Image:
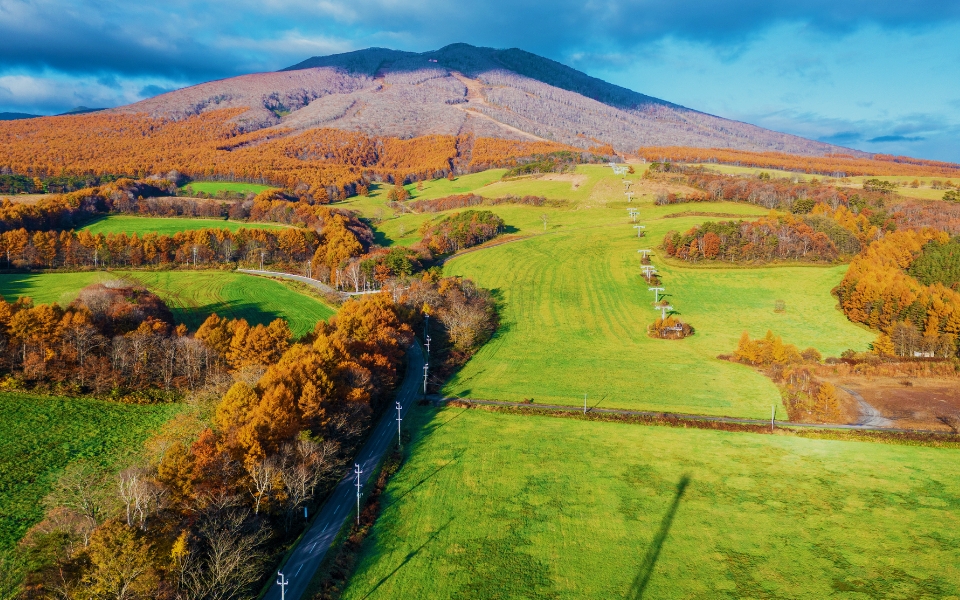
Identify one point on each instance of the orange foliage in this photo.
(327, 164)
(489, 152)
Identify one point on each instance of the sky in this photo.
(877, 75)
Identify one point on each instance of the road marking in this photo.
(298, 570)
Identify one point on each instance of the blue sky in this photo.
(877, 75)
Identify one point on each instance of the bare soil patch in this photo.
(910, 403)
(25, 198)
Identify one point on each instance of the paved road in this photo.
(311, 282)
(683, 417)
(868, 414)
(342, 504)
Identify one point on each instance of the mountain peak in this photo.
(463, 89)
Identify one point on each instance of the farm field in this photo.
(215, 187)
(504, 506)
(191, 295)
(165, 225)
(40, 435)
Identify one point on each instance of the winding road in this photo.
(316, 541)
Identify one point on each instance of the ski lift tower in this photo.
(633, 212)
(656, 294)
(639, 229)
(663, 311)
(648, 271)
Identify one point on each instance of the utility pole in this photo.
(283, 582)
(261, 260)
(773, 416)
(357, 471)
(428, 345)
(398, 424)
(426, 368)
(194, 257)
(309, 272)
(584, 404)
(656, 294)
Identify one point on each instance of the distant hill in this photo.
(15, 116)
(80, 110)
(462, 89)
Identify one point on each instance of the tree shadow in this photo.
(410, 556)
(639, 585)
(393, 501)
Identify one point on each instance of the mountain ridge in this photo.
(466, 90)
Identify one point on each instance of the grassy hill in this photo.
(129, 225)
(191, 295)
(500, 506)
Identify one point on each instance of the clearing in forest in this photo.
(130, 225)
(191, 295)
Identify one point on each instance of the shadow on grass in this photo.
(393, 501)
(410, 556)
(639, 585)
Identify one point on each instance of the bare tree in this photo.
(228, 557)
(261, 480)
(80, 490)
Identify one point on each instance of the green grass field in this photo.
(191, 295)
(165, 225)
(575, 308)
(502, 506)
(40, 435)
(215, 187)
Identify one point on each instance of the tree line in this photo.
(834, 165)
(913, 318)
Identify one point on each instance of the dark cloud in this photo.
(202, 40)
(897, 138)
(150, 91)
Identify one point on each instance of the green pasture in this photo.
(165, 225)
(191, 295)
(503, 506)
(575, 308)
(215, 187)
(40, 435)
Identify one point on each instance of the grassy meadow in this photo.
(215, 187)
(503, 506)
(130, 224)
(574, 307)
(40, 435)
(191, 295)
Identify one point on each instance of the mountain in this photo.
(463, 89)
(15, 116)
(80, 110)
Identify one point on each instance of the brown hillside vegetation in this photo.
(323, 163)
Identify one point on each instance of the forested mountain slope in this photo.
(462, 89)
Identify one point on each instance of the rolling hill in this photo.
(462, 89)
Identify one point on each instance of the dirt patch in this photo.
(575, 179)
(25, 198)
(694, 213)
(912, 403)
